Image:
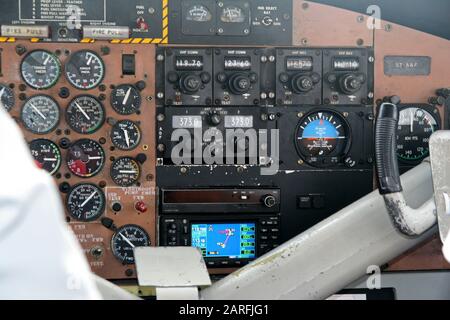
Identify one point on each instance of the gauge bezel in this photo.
(112, 98)
(98, 170)
(10, 90)
(116, 145)
(58, 64)
(340, 156)
(56, 123)
(100, 125)
(102, 208)
(114, 236)
(57, 148)
(127, 184)
(100, 79)
(434, 112)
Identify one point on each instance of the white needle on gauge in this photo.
(82, 111)
(94, 158)
(127, 138)
(89, 60)
(50, 159)
(127, 95)
(126, 240)
(37, 111)
(127, 171)
(46, 60)
(88, 199)
(412, 122)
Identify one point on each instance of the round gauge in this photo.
(125, 135)
(46, 155)
(125, 99)
(40, 114)
(232, 14)
(322, 137)
(7, 99)
(125, 171)
(415, 127)
(125, 239)
(85, 114)
(198, 13)
(85, 202)
(40, 69)
(85, 70)
(85, 158)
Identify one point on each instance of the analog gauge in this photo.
(7, 99)
(85, 114)
(125, 135)
(125, 239)
(322, 137)
(40, 114)
(40, 69)
(85, 202)
(198, 13)
(126, 99)
(85, 158)
(125, 171)
(415, 127)
(46, 155)
(85, 70)
(232, 14)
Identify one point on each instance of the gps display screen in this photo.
(230, 240)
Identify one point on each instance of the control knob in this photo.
(351, 83)
(269, 200)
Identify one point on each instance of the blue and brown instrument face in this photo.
(322, 134)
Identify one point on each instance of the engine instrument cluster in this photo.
(86, 124)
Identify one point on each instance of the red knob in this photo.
(140, 206)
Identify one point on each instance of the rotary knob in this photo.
(351, 83)
(302, 84)
(239, 83)
(214, 119)
(269, 201)
(190, 83)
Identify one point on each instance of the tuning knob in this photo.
(302, 84)
(351, 83)
(269, 200)
(239, 83)
(190, 83)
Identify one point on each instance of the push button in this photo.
(304, 202)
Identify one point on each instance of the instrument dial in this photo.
(125, 135)
(232, 14)
(125, 171)
(7, 99)
(85, 158)
(46, 155)
(85, 202)
(85, 70)
(85, 114)
(40, 114)
(125, 239)
(198, 13)
(40, 69)
(126, 99)
(322, 137)
(415, 127)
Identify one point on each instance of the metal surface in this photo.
(440, 167)
(171, 267)
(327, 257)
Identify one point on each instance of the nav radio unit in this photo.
(231, 227)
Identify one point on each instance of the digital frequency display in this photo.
(233, 241)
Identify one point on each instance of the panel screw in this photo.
(360, 19)
(160, 57)
(160, 95)
(388, 27)
(371, 59)
(304, 41)
(300, 162)
(183, 170)
(370, 95)
(305, 5)
(300, 114)
(345, 114)
(151, 10)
